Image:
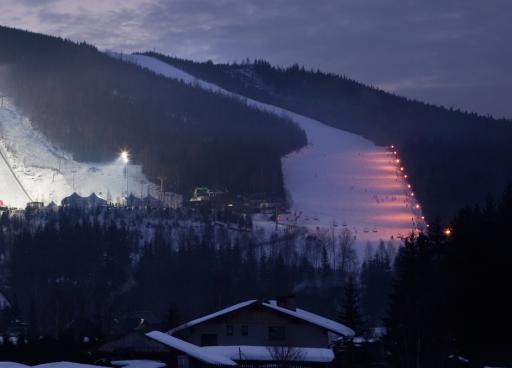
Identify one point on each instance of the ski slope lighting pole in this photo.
(125, 157)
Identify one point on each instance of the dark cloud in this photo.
(451, 52)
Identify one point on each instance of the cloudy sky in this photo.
(451, 52)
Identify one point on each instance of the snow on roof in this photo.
(66, 365)
(12, 365)
(192, 350)
(212, 315)
(265, 353)
(315, 319)
(49, 365)
(138, 363)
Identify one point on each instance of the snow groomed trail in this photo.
(12, 193)
(340, 180)
(32, 168)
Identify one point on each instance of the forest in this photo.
(103, 265)
(453, 157)
(438, 295)
(93, 105)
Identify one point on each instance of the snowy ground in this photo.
(340, 180)
(49, 174)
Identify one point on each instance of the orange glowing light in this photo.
(397, 160)
(447, 232)
(417, 206)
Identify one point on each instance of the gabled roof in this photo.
(74, 196)
(313, 318)
(301, 314)
(220, 313)
(191, 350)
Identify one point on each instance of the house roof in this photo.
(138, 363)
(301, 314)
(313, 318)
(227, 355)
(191, 350)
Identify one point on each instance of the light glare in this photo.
(125, 156)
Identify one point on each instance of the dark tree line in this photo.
(452, 156)
(450, 294)
(445, 295)
(93, 106)
(77, 273)
(68, 271)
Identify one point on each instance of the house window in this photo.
(245, 330)
(276, 333)
(183, 361)
(209, 340)
(229, 330)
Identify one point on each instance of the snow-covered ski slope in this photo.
(49, 174)
(339, 180)
(11, 192)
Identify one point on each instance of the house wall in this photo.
(258, 320)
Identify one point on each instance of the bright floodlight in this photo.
(125, 156)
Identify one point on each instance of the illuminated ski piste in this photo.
(49, 174)
(338, 179)
(11, 194)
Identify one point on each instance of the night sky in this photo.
(452, 52)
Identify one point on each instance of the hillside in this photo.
(452, 158)
(339, 182)
(92, 105)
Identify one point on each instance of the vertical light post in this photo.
(125, 157)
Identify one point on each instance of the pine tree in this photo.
(350, 313)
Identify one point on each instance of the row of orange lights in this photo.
(446, 231)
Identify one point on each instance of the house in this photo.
(74, 200)
(264, 331)
(161, 346)
(93, 201)
(77, 201)
(251, 332)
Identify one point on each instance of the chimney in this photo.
(287, 301)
